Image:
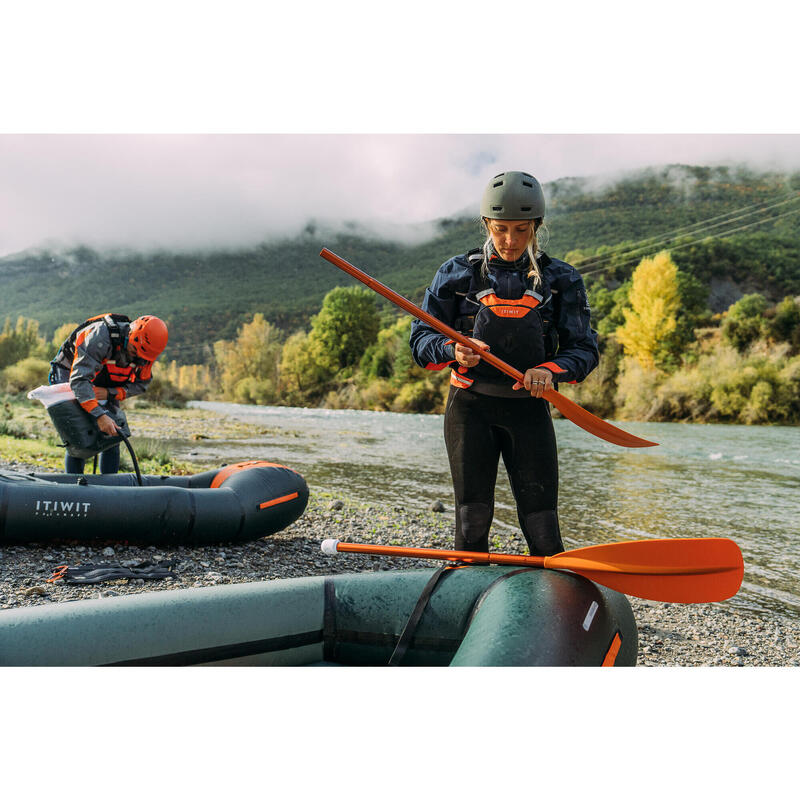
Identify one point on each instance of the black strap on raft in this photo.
(133, 456)
(410, 629)
(99, 573)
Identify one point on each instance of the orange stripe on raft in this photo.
(611, 655)
(226, 472)
(284, 499)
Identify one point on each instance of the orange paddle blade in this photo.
(572, 411)
(594, 425)
(704, 570)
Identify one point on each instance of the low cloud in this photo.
(200, 191)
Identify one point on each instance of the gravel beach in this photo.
(669, 634)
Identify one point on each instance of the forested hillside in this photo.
(731, 228)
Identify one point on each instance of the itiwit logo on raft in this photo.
(62, 508)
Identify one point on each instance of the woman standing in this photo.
(532, 312)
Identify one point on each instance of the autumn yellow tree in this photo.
(651, 320)
(248, 366)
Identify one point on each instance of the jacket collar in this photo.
(521, 263)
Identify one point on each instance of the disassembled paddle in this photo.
(702, 570)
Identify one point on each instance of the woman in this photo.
(531, 311)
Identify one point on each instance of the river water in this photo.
(703, 480)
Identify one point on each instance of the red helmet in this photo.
(149, 337)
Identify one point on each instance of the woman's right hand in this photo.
(468, 356)
(107, 425)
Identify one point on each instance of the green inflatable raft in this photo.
(462, 616)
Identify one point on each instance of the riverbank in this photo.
(669, 634)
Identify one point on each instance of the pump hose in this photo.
(133, 456)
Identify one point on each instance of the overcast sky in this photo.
(206, 190)
(404, 115)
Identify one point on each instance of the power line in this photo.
(698, 241)
(644, 244)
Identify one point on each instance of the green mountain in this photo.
(728, 225)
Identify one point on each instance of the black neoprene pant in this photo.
(478, 429)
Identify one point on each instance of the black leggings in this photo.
(478, 429)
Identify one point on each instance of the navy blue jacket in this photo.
(570, 341)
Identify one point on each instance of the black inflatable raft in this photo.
(476, 616)
(237, 503)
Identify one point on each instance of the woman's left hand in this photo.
(537, 381)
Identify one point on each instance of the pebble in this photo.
(336, 505)
(437, 506)
(670, 634)
(108, 551)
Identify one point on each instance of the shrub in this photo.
(24, 375)
(744, 322)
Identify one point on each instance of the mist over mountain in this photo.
(731, 226)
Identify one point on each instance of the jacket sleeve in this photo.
(92, 348)
(577, 353)
(429, 348)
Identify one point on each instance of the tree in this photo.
(62, 332)
(745, 322)
(785, 325)
(607, 307)
(21, 341)
(651, 320)
(346, 325)
(303, 378)
(248, 366)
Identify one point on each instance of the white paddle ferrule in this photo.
(329, 547)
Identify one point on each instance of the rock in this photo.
(106, 593)
(737, 651)
(437, 506)
(336, 505)
(34, 590)
(108, 551)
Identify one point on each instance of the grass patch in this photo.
(40, 453)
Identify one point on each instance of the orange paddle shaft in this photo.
(571, 410)
(701, 570)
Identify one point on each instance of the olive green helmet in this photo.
(513, 195)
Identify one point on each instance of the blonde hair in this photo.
(532, 249)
